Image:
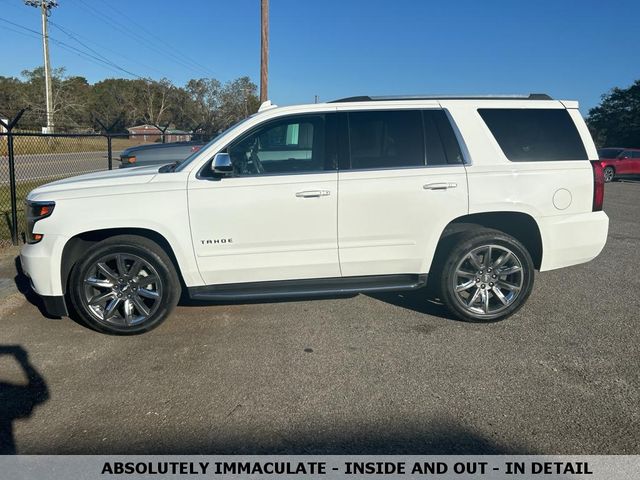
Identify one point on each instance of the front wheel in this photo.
(127, 285)
(487, 276)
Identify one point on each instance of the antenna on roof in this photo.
(266, 106)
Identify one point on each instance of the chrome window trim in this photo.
(409, 167)
(463, 149)
(337, 170)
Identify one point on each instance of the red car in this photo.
(619, 161)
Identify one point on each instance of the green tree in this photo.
(202, 104)
(204, 113)
(616, 121)
(69, 98)
(158, 99)
(115, 101)
(238, 100)
(10, 96)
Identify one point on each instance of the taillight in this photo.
(195, 148)
(598, 184)
(131, 159)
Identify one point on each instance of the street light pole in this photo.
(45, 6)
(264, 49)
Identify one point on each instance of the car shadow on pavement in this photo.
(421, 301)
(17, 401)
(24, 287)
(385, 438)
(185, 301)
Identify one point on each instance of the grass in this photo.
(25, 145)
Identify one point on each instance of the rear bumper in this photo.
(572, 239)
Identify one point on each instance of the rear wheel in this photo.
(487, 276)
(609, 174)
(127, 285)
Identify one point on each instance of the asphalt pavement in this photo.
(365, 374)
(50, 166)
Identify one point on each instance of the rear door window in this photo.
(386, 139)
(534, 135)
(440, 140)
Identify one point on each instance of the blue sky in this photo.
(331, 48)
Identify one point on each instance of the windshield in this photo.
(183, 163)
(609, 152)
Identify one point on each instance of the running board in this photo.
(308, 287)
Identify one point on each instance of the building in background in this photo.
(151, 133)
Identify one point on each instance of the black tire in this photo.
(491, 280)
(609, 174)
(132, 251)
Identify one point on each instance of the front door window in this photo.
(292, 145)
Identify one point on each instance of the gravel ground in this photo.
(366, 374)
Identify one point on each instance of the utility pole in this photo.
(264, 49)
(45, 9)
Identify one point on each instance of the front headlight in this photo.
(37, 211)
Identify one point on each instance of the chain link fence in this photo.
(28, 160)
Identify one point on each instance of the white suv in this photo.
(358, 195)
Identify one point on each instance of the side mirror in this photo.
(221, 164)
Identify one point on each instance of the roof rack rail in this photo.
(366, 98)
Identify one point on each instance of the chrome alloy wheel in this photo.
(488, 279)
(608, 174)
(122, 289)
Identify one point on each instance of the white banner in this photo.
(76, 467)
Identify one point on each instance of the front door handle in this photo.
(440, 186)
(313, 193)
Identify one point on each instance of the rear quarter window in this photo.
(534, 135)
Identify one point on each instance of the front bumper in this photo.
(40, 262)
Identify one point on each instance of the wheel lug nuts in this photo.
(480, 272)
(483, 285)
(491, 284)
(477, 280)
(494, 276)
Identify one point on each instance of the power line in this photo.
(27, 34)
(158, 38)
(75, 50)
(105, 59)
(115, 24)
(77, 37)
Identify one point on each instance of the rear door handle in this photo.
(313, 193)
(440, 186)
